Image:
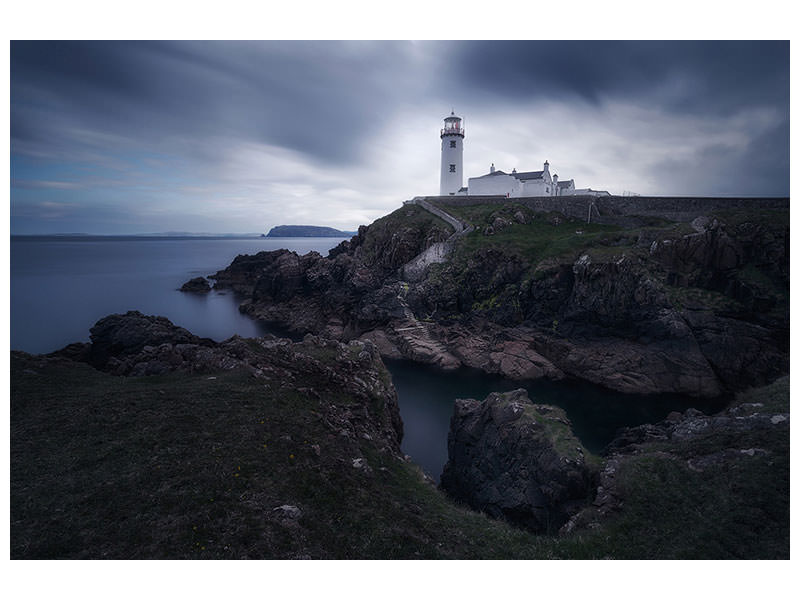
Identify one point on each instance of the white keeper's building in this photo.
(495, 182)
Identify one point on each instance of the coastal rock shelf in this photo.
(699, 308)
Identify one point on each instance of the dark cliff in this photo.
(698, 309)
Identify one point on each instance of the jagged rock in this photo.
(500, 223)
(128, 334)
(517, 460)
(287, 511)
(702, 224)
(386, 347)
(198, 285)
(698, 314)
(742, 354)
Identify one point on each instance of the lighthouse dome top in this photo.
(452, 126)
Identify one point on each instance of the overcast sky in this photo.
(121, 137)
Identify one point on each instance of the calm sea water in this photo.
(61, 286)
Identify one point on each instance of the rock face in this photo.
(117, 337)
(517, 460)
(198, 285)
(644, 310)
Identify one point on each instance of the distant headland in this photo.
(283, 231)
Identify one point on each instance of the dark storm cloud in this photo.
(759, 169)
(707, 80)
(230, 132)
(696, 76)
(316, 98)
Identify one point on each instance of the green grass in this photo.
(186, 466)
(547, 239)
(739, 510)
(540, 239)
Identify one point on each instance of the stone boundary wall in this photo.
(619, 209)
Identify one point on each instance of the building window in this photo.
(452, 143)
(547, 190)
(452, 168)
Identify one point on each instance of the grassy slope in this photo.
(549, 239)
(535, 241)
(740, 510)
(183, 466)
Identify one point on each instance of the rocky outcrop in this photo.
(198, 285)
(134, 344)
(117, 337)
(743, 354)
(692, 442)
(516, 460)
(643, 310)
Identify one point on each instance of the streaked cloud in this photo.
(241, 136)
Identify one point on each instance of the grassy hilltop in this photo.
(542, 241)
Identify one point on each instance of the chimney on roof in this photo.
(547, 167)
(491, 169)
(513, 171)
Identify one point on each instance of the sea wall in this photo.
(621, 210)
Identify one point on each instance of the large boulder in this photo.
(517, 460)
(198, 285)
(128, 334)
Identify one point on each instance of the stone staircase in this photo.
(415, 341)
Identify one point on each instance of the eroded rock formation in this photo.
(641, 310)
(517, 460)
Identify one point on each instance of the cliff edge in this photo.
(697, 308)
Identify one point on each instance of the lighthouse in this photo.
(452, 175)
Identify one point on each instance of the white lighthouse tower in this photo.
(452, 177)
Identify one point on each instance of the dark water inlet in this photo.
(61, 286)
(427, 395)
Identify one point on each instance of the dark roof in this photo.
(463, 189)
(529, 175)
(492, 174)
(565, 183)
